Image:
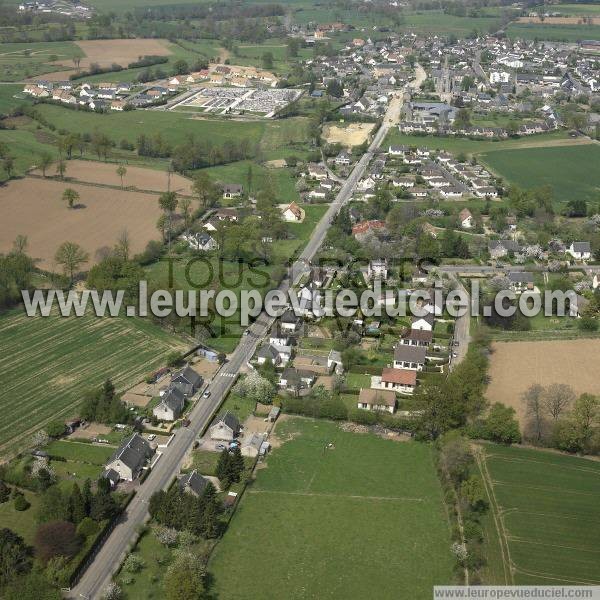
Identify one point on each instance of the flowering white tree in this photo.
(255, 387)
(39, 439)
(460, 551)
(166, 535)
(112, 592)
(41, 462)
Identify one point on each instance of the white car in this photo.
(206, 394)
(151, 437)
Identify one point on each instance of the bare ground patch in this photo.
(515, 366)
(560, 20)
(353, 134)
(34, 207)
(107, 52)
(135, 178)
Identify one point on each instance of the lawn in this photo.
(80, 452)
(25, 148)
(571, 171)
(547, 505)
(23, 523)
(337, 523)
(48, 363)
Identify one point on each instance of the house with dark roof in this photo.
(417, 337)
(520, 281)
(500, 248)
(232, 190)
(130, 457)
(409, 357)
(226, 428)
(193, 483)
(187, 381)
(170, 406)
(580, 250)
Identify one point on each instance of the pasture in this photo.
(547, 515)
(515, 366)
(313, 513)
(34, 207)
(129, 125)
(47, 363)
(571, 172)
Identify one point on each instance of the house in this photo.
(170, 406)
(335, 362)
(294, 380)
(580, 250)
(118, 105)
(193, 483)
(130, 457)
(226, 428)
(251, 446)
(289, 321)
(402, 381)
(226, 214)
(500, 248)
(409, 357)
(398, 150)
(417, 337)
(425, 322)
(379, 400)
(187, 381)
(232, 190)
(360, 229)
(378, 269)
(278, 355)
(343, 159)
(465, 218)
(202, 241)
(318, 193)
(317, 172)
(292, 213)
(577, 305)
(279, 337)
(520, 281)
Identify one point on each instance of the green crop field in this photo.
(48, 363)
(362, 519)
(437, 22)
(571, 171)
(571, 10)
(22, 60)
(548, 515)
(543, 31)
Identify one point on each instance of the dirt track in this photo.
(34, 207)
(515, 366)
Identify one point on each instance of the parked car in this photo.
(151, 437)
(220, 446)
(206, 394)
(186, 422)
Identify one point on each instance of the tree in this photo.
(55, 428)
(184, 579)
(335, 89)
(121, 172)
(473, 492)
(267, 60)
(44, 162)
(77, 509)
(61, 168)
(56, 538)
(557, 398)
(500, 425)
(71, 257)
(205, 189)
(168, 203)
(533, 399)
(32, 586)
(70, 196)
(15, 556)
(8, 163)
(185, 206)
(463, 119)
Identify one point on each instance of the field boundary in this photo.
(480, 457)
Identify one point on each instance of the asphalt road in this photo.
(111, 554)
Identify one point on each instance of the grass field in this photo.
(437, 22)
(48, 363)
(23, 523)
(547, 514)
(337, 523)
(174, 127)
(568, 33)
(25, 148)
(80, 451)
(571, 172)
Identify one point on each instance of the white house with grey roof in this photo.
(170, 406)
(226, 428)
(580, 250)
(130, 457)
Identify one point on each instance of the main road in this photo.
(111, 554)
